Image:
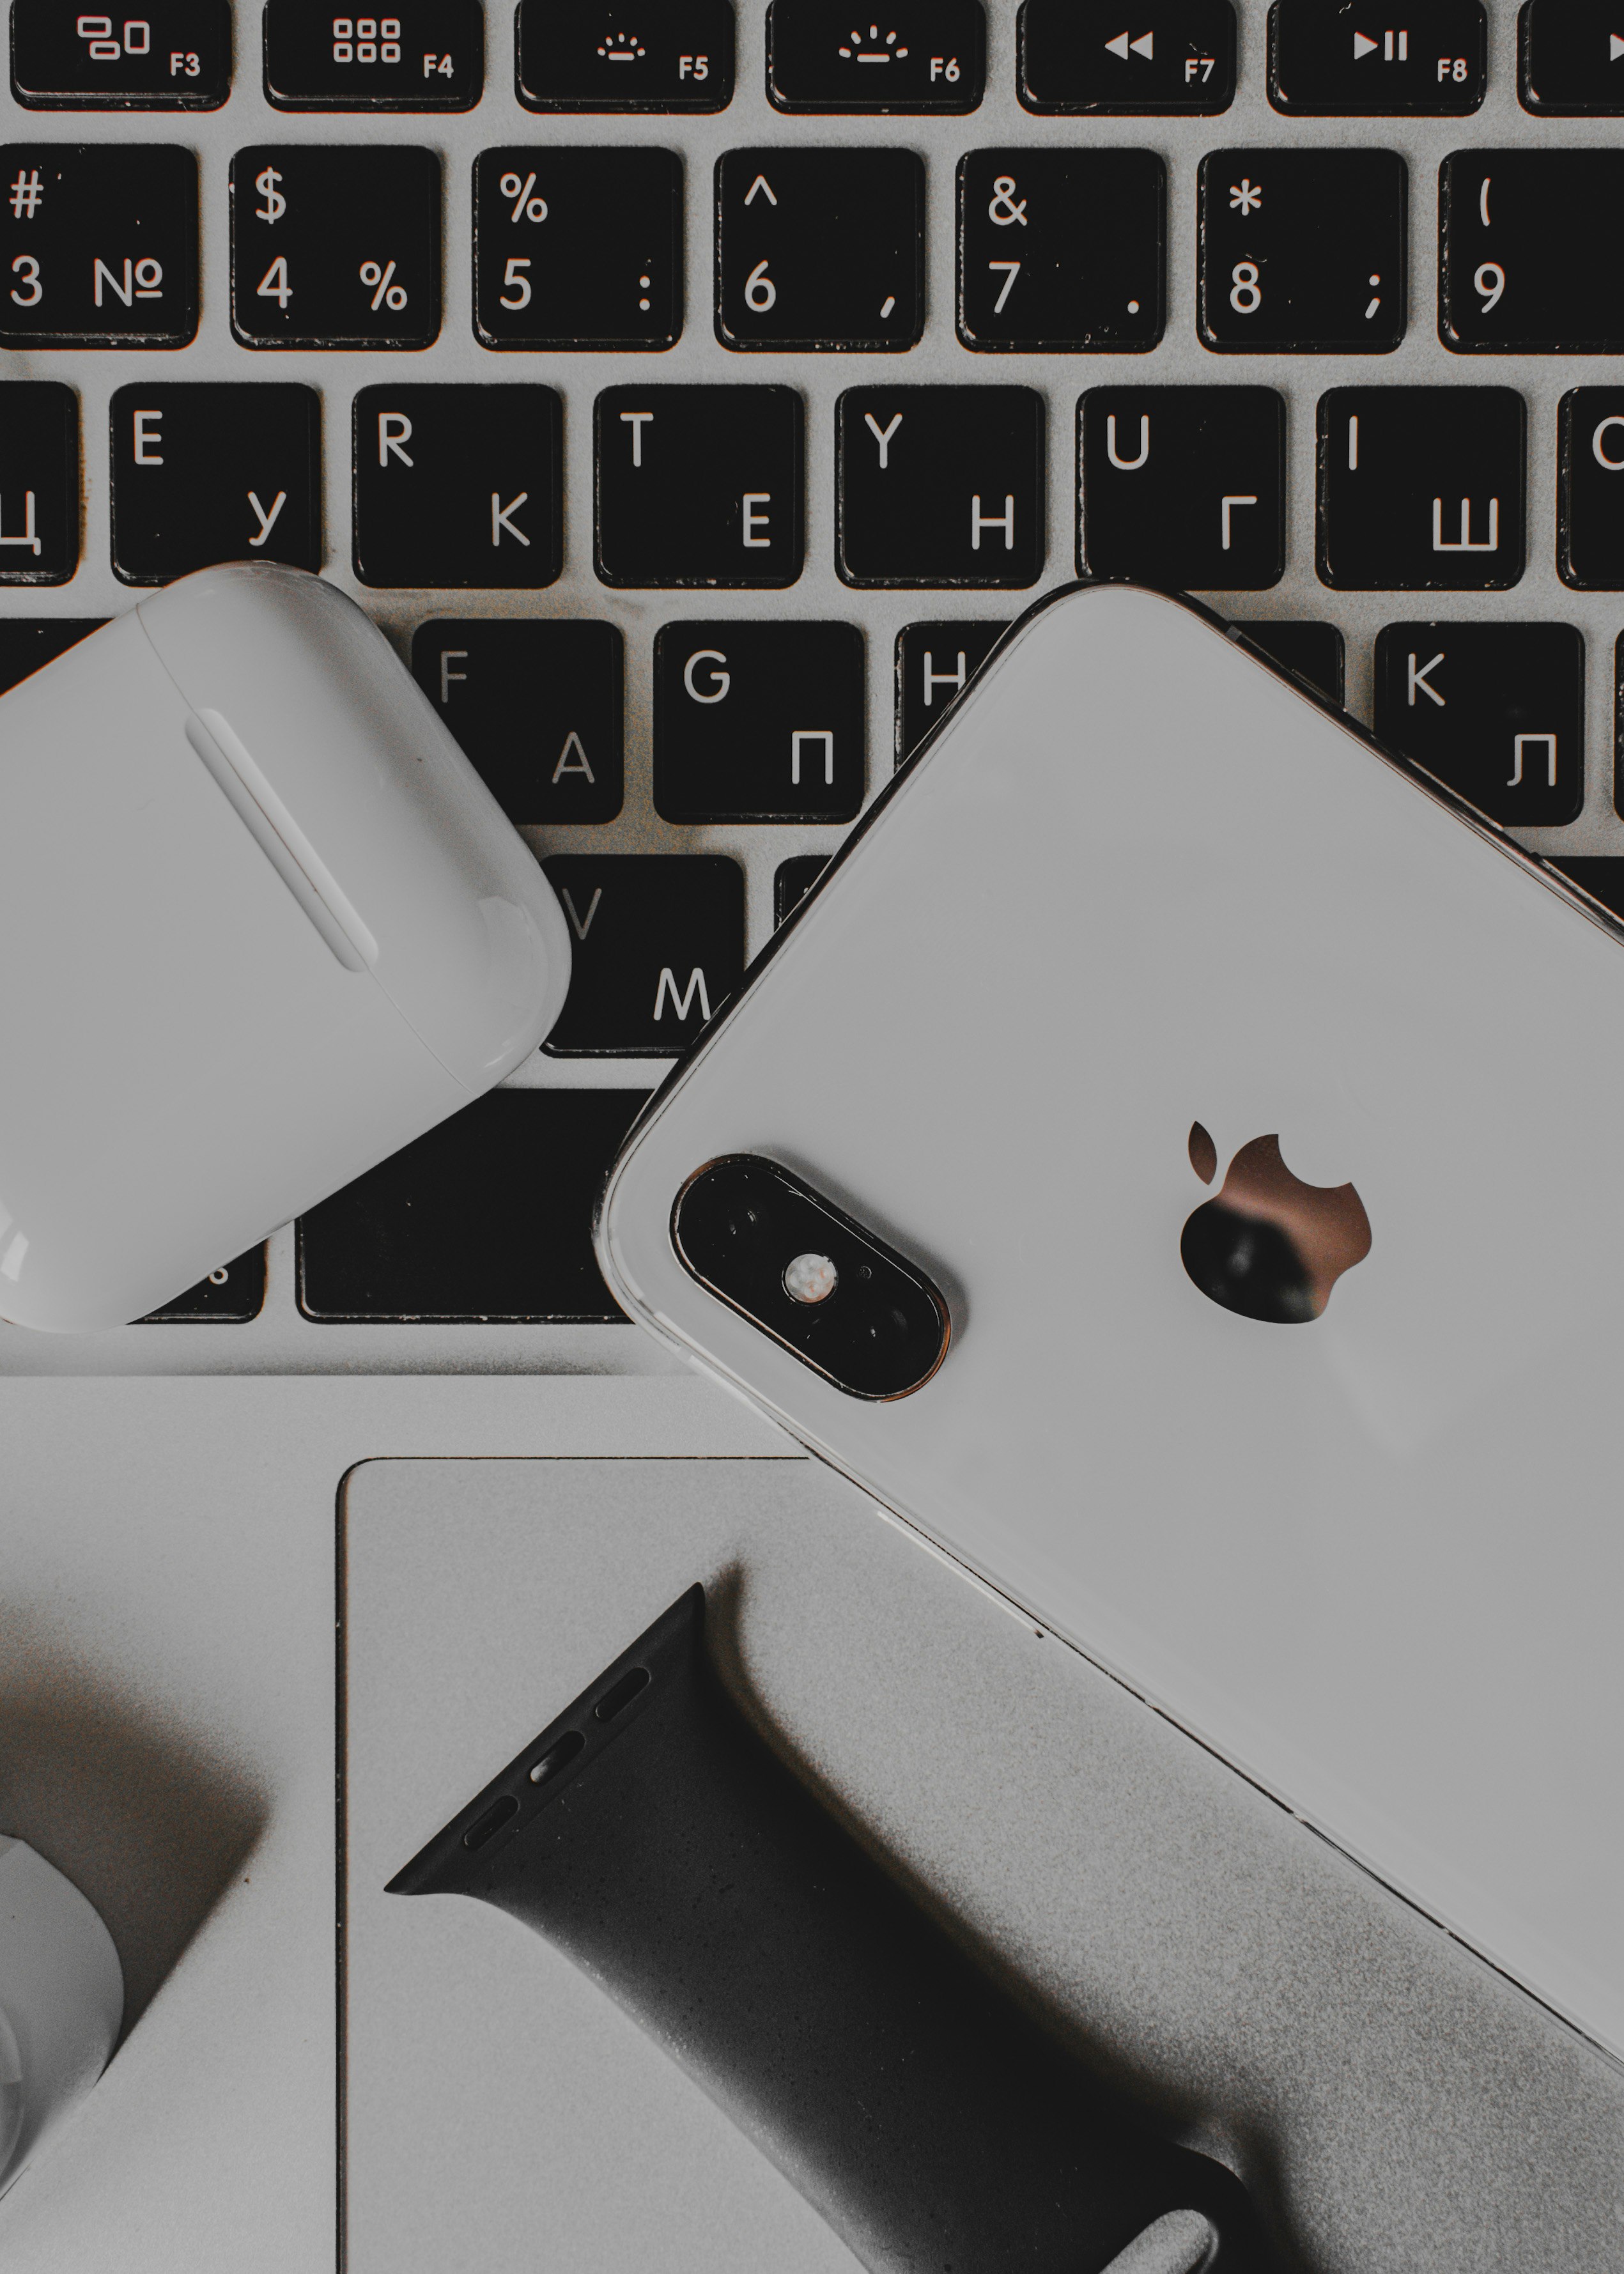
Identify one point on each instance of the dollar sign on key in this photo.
(275, 205)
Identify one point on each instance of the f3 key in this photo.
(820, 249)
(1522, 262)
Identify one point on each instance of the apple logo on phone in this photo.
(1269, 1245)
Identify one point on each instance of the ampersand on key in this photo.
(1004, 210)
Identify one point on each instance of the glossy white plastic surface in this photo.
(261, 925)
(1375, 1560)
(61, 1999)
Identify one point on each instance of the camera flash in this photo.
(810, 1278)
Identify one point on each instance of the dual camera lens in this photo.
(805, 1273)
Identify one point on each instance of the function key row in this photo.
(1299, 251)
(927, 56)
(461, 485)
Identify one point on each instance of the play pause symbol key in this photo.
(1345, 62)
(458, 486)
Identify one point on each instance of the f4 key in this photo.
(1518, 233)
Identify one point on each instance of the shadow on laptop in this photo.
(148, 1821)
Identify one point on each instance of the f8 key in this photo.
(1521, 247)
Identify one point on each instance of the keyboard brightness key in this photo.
(1495, 710)
(677, 56)
(922, 56)
(1422, 488)
(940, 486)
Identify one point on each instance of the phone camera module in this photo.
(810, 1278)
(844, 1303)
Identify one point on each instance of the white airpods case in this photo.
(261, 924)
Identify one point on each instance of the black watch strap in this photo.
(932, 2119)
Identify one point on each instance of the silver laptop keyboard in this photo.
(693, 392)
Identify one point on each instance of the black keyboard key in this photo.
(1315, 651)
(657, 943)
(939, 485)
(335, 247)
(1078, 56)
(792, 880)
(459, 486)
(1350, 61)
(1568, 54)
(820, 249)
(207, 470)
(428, 55)
(1061, 251)
(39, 482)
(174, 56)
(1518, 233)
(935, 662)
(1590, 489)
(631, 55)
(488, 1216)
(537, 705)
(1303, 250)
(1183, 486)
(1421, 488)
(924, 56)
(758, 722)
(1600, 875)
(1496, 710)
(232, 1294)
(28, 642)
(98, 244)
(577, 248)
(699, 486)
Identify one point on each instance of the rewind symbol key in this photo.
(1071, 53)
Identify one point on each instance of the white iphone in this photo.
(1173, 1161)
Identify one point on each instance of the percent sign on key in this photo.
(525, 207)
(387, 293)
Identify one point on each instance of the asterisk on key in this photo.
(1244, 194)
